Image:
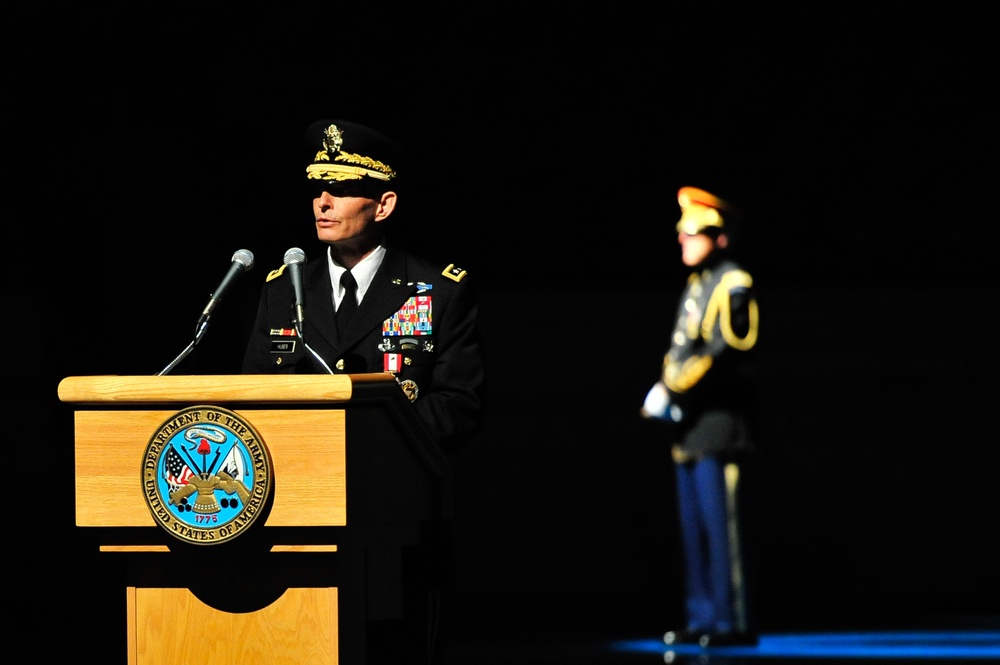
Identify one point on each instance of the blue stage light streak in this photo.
(911, 645)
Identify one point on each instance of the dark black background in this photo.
(548, 151)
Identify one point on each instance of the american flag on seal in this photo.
(175, 470)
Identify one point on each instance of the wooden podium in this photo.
(356, 481)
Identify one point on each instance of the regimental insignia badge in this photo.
(410, 389)
(207, 475)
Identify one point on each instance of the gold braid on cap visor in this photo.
(366, 166)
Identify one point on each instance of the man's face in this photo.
(695, 248)
(345, 218)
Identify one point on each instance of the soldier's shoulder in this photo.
(429, 270)
(454, 272)
(276, 273)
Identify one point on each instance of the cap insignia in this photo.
(363, 166)
(333, 139)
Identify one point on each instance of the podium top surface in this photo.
(111, 389)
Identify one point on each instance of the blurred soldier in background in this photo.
(705, 394)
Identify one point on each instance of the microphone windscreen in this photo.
(244, 257)
(295, 255)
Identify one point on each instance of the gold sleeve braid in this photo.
(680, 378)
(718, 306)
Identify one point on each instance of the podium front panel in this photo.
(307, 449)
(171, 626)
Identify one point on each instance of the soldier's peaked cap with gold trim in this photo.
(701, 210)
(342, 151)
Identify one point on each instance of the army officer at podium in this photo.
(371, 306)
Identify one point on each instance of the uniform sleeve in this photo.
(452, 406)
(728, 327)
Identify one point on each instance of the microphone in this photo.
(242, 261)
(294, 258)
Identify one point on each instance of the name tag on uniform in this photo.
(282, 346)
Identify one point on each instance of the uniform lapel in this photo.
(385, 295)
(320, 330)
(388, 291)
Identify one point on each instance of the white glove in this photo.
(657, 404)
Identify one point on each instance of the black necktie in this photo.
(350, 302)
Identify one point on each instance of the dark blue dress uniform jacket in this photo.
(708, 369)
(438, 363)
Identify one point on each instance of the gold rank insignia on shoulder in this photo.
(454, 273)
(274, 274)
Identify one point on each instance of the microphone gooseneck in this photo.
(242, 261)
(294, 258)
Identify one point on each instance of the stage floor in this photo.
(550, 633)
(861, 648)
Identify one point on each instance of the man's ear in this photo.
(722, 241)
(385, 206)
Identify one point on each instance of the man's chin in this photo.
(329, 236)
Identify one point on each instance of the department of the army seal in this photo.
(206, 475)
